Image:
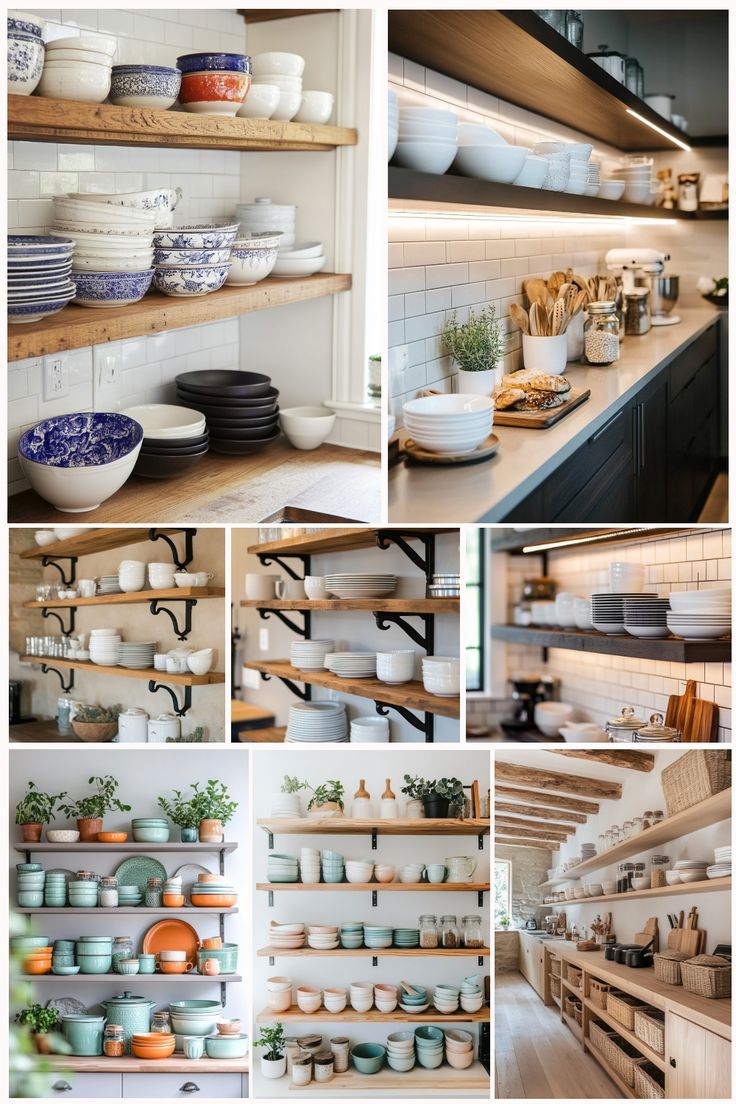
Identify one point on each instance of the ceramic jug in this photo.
(362, 808)
(389, 804)
(210, 966)
(460, 868)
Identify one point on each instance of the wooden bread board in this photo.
(421, 455)
(540, 419)
(677, 705)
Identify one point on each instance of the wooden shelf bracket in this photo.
(182, 562)
(66, 687)
(423, 724)
(303, 630)
(46, 613)
(52, 561)
(157, 607)
(186, 704)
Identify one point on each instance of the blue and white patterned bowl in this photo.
(25, 63)
(207, 63)
(203, 235)
(111, 289)
(154, 86)
(36, 309)
(253, 259)
(177, 257)
(190, 279)
(24, 246)
(24, 23)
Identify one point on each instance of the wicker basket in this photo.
(649, 1027)
(694, 777)
(579, 1012)
(575, 976)
(599, 991)
(667, 967)
(600, 1036)
(554, 966)
(648, 1082)
(622, 1007)
(707, 975)
(555, 986)
(624, 1058)
(570, 1007)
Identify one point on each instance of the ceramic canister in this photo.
(133, 726)
(161, 727)
(84, 1034)
(132, 1013)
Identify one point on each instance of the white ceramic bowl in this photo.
(163, 421)
(501, 164)
(276, 61)
(299, 266)
(428, 114)
(105, 44)
(420, 131)
(434, 406)
(250, 262)
(287, 107)
(43, 537)
(78, 490)
(548, 716)
(316, 107)
(474, 134)
(428, 157)
(61, 835)
(307, 427)
(25, 65)
(260, 102)
(199, 664)
(86, 82)
(637, 193)
(533, 172)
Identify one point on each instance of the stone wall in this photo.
(529, 867)
(506, 958)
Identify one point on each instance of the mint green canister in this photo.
(131, 1013)
(84, 1034)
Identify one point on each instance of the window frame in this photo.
(479, 591)
(508, 863)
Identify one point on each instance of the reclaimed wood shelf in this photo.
(373, 952)
(124, 848)
(333, 540)
(372, 605)
(518, 57)
(411, 695)
(272, 734)
(348, 826)
(419, 1082)
(376, 887)
(711, 811)
(62, 1064)
(130, 910)
(210, 679)
(39, 119)
(706, 885)
(148, 979)
(76, 327)
(672, 649)
(131, 598)
(349, 1015)
(91, 542)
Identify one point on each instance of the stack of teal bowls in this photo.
(62, 961)
(30, 880)
(282, 868)
(150, 830)
(430, 1044)
(82, 894)
(416, 1001)
(406, 937)
(54, 894)
(94, 954)
(376, 937)
(226, 955)
(129, 896)
(333, 866)
(351, 936)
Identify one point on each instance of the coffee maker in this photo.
(527, 690)
(645, 268)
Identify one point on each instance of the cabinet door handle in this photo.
(642, 444)
(189, 1087)
(603, 429)
(673, 1063)
(61, 1086)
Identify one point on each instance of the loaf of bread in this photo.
(530, 380)
(540, 400)
(507, 397)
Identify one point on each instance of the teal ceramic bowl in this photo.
(64, 970)
(226, 1046)
(368, 1057)
(106, 939)
(151, 835)
(127, 966)
(429, 1034)
(65, 946)
(30, 881)
(23, 942)
(94, 963)
(28, 868)
(429, 1059)
(146, 963)
(226, 955)
(31, 898)
(54, 902)
(63, 959)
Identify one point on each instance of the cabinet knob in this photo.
(61, 1086)
(673, 1063)
(189, 1087)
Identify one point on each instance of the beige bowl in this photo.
(279, 1001)
(459, 1061)
(384, 873)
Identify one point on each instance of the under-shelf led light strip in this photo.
(567, 542)
(664, 133)
(600, 222)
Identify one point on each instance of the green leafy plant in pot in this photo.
(214, 808)
(273, 1059)
(327, 800)
(441, 798)
(183, 812)
(289, 800)
(504, 922)
(34, 810)
(94, 724)
(89, 811)
(476, 346)
(41, 1022)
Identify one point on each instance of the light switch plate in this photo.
(55, 378)
(263, 640)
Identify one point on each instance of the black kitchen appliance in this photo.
(640, 957)
(527, 691)
(531, 925)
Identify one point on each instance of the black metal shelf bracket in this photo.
(186, 705)
(51, 561)
(481, 959)
(223, 993)
(374, 960)
(480, 841)
(425, 640)
(401, 538)
(60, 618)
(270, 841)
(268, 558)
(157, 607)
(305, 694)
(270, 898)
(66, 687)
(374, 839)
(374, 898)
(425, 725)
(301, 630)
(189, 535)
(480, 898)
(271, 960)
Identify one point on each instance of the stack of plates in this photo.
(174, 439)
(691, 870)
(109, 584)
(646, 617)
(286, 937)
(719, 870)
(130, 895)
(323, 938)
(352, 664)
(406, 937)
(283, 868)
(361, 586)
(309, 655)
(241, 408)
(594, 178)
(377, 937)
(607, 611)
(317, 723)
(444, 586)
(104, 647)
(723, 854)
(136, 656)
(39, 282)
(700, 614)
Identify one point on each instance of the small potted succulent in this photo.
(184, 813)
(33, 811)
(476, 346)
(288, 802)
(327, 800)
(414, 790)
(89, 811)
(273, 1059)
(41, 1022)
(96, 725)
(213, 808)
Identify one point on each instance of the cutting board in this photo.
(651, 931)
(690, 937)
(678, 704)
(540, 419)
(700, 723)
(420, 455)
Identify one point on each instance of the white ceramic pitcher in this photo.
(460, 868)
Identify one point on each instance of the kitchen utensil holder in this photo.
(649, 1027)
(707, 975)
(621, 1007)
(694, 777)
(648, 1082)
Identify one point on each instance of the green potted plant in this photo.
(96, 725)
(89, 811)
(184, 813)
(440, 798)
(273, 1059)
(476, 346)
(41, 1022)
(504, 922)
(33, 811)
(414, 788)
(327, 800)
(288, 804)
(214, 808)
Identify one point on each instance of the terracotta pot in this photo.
(89, 829)
(31, 833)
(210, 831)
(42, 1043)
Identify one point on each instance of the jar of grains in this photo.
(429, 936)
(108, 892)
(154, 893)
(472, 931)
(161, 1022)
(113, 1041)
(449, 932)
(660, 865)
(601, 333)
(122, 947)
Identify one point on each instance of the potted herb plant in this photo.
(89, 811)
(476, 346)
(184, 813)
(213, 808)
(94, 724)
(33, 811)
(41, 1022)
(273, 1059)
(504, 922)
(414, 788)
(327, 800)
(288, 802)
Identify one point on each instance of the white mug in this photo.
(159, 661)
(87, 588)
(314, 586)
(290, 588)
(202, 578)
(260, 587)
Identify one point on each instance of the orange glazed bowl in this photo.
(214, 900)
(152, 1044)
(213, 93)
(38, 965)
(112, 837)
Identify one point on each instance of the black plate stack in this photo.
(161, 458)
(241, 408)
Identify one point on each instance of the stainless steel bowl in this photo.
(663, 293)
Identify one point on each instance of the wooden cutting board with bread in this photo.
(534, 400)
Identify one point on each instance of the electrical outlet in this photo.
(108, 367)
(251, 679)
(263, 640)
(55, 378)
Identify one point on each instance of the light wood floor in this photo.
(537, 1056)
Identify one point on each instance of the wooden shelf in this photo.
(332, 540)
(370, 952)
(134, 598)
(140, 979)
(138, 910)
(347, 826)
(210, 679)
(76, 327)
(125, 849)
(273, 734)
(423, 1083)
(62, 1064)
(92, 542)
(349, 1015)
(711, 811)
(620, 1085)
(672, 649)
(707, 885)
(644, 1050)
(371, 605)
(377, 887)
(517, 56)
(411, 695)
(266, 15)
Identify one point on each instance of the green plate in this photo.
(137, 870)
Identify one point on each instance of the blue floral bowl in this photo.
(154, 86)
(203, 235)
(190, 279)
(207, 63)
(36, 309)
(111, 289)
(26, 54)
(22, 23)
(178, 257)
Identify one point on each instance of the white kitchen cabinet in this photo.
(531, 961)
(182, 1086)
(84, 1086)
(698, 1061)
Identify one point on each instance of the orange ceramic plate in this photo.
(112, 837)
(172, 935)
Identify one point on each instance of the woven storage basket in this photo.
(649, 1027)
(624, 1058)
(570, 1007)
(667, 967)
(579, 1012)
(554, 966)
(600, 1036)
(574, 976)
(622, 1007)
(707, 975)
(694, 777)
(555, 986)
(599, 991)
(648, 1082)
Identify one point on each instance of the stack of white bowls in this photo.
(565, 610)
(583, 619)
(441, 676)
(132, 575)
(395, 667)
(393, 122)
(161, 576)
(304, 260)
(108, 237)
(449, 424)
(358, 872)
(78, 68)
(361, 996)
(310, 865)
(283, 71)
(104, 647)
(323, 937)
(309, 655)
(446, 999)
(263, 217)
(427, 139)
(317, 723)
(286, 937)
(626, 578)
(700, 614)
(636, 172)
(577, 181)
(370, 730)
(351, 664)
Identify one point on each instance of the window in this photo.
(501, 891)
(475, 658)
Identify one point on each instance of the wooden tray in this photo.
(540, 419)
(484, 451)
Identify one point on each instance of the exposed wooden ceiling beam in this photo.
(555, 800)
(556, 781)
(627, 760)
(540, 813)
(527, 843)
(532, 833)
(524, 822)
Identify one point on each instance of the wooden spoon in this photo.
(520, 317)
(536, 291)
(555, 282)
(533, 321)
(409, 989)
(559, 313)
(580, 301)
(565, 321)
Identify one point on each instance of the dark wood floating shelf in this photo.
(677, 651)
(76, 327)
(372, 605)
(517, 56)
(125, 672)
(39, 119)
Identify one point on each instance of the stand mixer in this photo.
(644, 268)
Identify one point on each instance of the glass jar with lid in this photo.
(603, 843)
(637, 312)
(601, 333)
(628, 829)
(113, 1041)
(657, 817)
(450, 932)
(161, 1022)
(472, 931)
(108, 893)
(622, 729)
(429, 936)
(122, 947)
(660, 866)
(633, 75)
(638, 826)
(657, 732)
(611, 61)
(574, 28)
(646, 819)
(154, 893)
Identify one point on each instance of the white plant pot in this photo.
(287, 805)
(273, 1070)
(415, 809)
(476, 383)
(575, 337)
(545, 354)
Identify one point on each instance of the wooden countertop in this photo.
(141, 1065)
(242, 712)
(40, 732)
(715, 1015)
